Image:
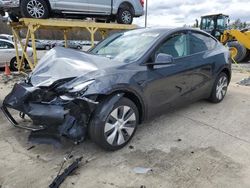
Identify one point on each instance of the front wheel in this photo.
(114, 130)
(220, 88)
(238, 51)
(34, 9)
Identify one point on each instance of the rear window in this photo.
(200, 43)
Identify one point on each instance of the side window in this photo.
(176, 46)
(10, 45)
(2, 45)
(5, 45)
(199, 43)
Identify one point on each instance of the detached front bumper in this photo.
(49, 113)
(16, 124)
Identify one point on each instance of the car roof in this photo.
(167, 30)
(4, 40)
(171, 29)
(5, 35)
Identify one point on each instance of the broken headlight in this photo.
(76, 91)
(81, 87)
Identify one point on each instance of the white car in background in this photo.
(8, 54)
(6, 37)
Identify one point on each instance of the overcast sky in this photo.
(180, 12)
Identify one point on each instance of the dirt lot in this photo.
(200, 145)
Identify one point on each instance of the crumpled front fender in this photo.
(19, 95)
(58, 117)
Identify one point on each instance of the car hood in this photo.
(61, 63)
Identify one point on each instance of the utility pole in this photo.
(146, 14)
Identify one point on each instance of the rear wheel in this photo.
(116, 129)
(34, 9)
(125, 15)
(220, 88)
(238, 51)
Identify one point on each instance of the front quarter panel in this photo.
(106, 85)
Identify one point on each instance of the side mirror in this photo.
(162, 59)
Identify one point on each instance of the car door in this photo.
(2, 54)
(170, 84)
(72, 5)
(6, 52)
(100, 6)
(202, 59)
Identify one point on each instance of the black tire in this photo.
(214, 98)
(13, 17)
(125, 15)
(241, 50)
(14, 66)
(98, 124)
(25, 4)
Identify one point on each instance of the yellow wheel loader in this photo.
(237, 40)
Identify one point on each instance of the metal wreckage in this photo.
(59, 101)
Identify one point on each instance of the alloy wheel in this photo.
(15, 65)
(35, 9)
(126, 17)
(120, 125)
(221, 88)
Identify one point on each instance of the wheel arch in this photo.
(135, 98)
(227, 72)
(127, 3)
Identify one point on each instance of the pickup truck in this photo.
(122, 11)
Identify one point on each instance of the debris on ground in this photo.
(31, 147)
(5, 79)
(131, 147)
(61, 177)
(245, 82)
(142, 170)
(13, 78)
(179, 140)
(198, 169)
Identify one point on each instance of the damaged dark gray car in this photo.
(125, 80)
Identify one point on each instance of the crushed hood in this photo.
(61, 63)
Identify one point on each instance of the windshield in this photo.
(207, 24)
(126, 47)
(222, 23)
